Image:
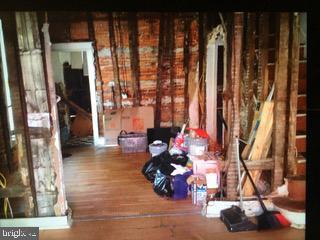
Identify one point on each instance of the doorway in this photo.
(74, 74)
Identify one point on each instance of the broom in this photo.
(268, 219)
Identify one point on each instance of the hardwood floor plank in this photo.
(103, 182)
(163, 228)
(111, 199)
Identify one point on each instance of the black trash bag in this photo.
(180, 159)
(165, 166)
(162, 185)
(149, 170)
(161, 161)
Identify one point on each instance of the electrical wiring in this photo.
(6, 203)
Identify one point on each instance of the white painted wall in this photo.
(76, 60)
(58, 58)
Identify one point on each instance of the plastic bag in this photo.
(162, 162)
(180, 159)
(180, 186)
(162, 185)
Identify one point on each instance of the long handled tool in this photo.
(235, 218)
(268, 219)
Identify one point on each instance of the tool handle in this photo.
(254, 186)
(239, 173)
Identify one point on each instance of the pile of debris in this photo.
(187, 168)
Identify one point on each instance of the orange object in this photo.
(81, 126)
(200, 132)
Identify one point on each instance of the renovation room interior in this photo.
(72, 81)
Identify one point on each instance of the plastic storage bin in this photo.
(197, 146)
(133, 142)
(157, 147)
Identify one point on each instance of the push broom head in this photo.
(272, 220)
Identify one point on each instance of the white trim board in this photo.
(61, 222)
(72, 47)
(215, 40)
(85, 47)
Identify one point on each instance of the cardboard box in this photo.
(136, 119)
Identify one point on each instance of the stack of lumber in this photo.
(259, 141)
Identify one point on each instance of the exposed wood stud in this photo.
(247, 106)
(202, 43)
(294, 47)
(228, 87)
(134, 56)
(186, 62)
(171, 47)
(236, 75)
(60, 206)
(263, 83)
(115, 63)
(36, 107)
(280, 99)
(157, 118)
(31, 202)
(92, 37)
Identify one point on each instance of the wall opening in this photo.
(75, 78)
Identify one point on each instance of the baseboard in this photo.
(61, 222)
(252, 208)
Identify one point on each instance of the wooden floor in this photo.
(163, 228)
(103, 183)
(111, 199)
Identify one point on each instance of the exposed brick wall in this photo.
(148, 30)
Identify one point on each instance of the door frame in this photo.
(215, 39)
(88, 48)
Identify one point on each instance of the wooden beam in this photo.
(201, 48)
(60, 206)
(247, 90)
(294, 48)
(45, 151)
(134, 56)
(228, 83)
(263, 78)
(114, 57)
(262, 164)
(171, 47)
(76, 107)
(280, 100)
(186, 62)
(99, 82)
(232, 179)
(31, 206)
(157, 119)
